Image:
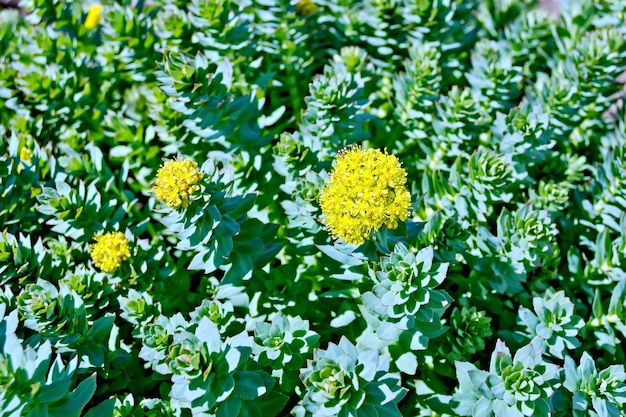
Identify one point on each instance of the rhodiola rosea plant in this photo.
(312, 208)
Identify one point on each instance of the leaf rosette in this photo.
(593, 392)
(553, 320)
(283, 343)
(405, 285)
(517, 386)
(346, 380)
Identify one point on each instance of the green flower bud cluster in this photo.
(468, 330)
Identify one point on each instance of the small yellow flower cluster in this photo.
(109, 250)
(366, 190)
(176, 181)
(94, 15)
(305, 7)
(26, 155)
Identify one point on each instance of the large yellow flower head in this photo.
(94, 15)
(366, 191)
(109, 251)
(176, 181)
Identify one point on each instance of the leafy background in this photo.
(503, 294)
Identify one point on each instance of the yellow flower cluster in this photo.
(176, 181)
(366, 190)
(109, 251)
(26, 157)
(305, 7)
(26, 154)
(94, 15)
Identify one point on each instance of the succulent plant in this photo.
(405, 285)
(285, 342)
(553, 321)
(589, 392)
(346, 380)
(58, 315)
(165, 169)
(34, 380)
(468, 330)
(519, 385)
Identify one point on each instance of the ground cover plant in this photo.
(312, 208)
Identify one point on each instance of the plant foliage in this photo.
(312, 208)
